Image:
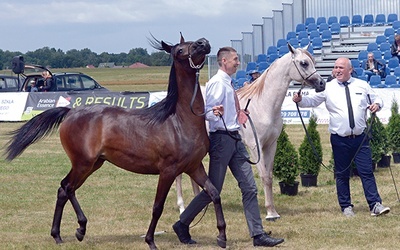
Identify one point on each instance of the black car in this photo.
(62, 81)
(9, 83)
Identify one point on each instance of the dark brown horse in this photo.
(165, 139)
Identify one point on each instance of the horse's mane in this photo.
(159, 112)
(257, 87)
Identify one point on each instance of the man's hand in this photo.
(296, 97)
(218, 110)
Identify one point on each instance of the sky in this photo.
(117, 26)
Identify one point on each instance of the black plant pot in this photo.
(289, 189)
(396, 157)
(309, 180)
(384, 162)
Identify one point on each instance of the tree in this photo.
(286, 159)
(311, 152)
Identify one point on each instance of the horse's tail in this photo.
(34, 130)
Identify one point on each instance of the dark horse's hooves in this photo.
(221, 243)
(79, 235)
(58, 240)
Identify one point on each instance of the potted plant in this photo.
(310, 152)
(393, 131)
(378, 142)
(286, 164)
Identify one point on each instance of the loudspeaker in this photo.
(18, 64)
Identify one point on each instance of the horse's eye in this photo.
(304, 64)
(180, 51)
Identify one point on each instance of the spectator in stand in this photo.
(395, 48)
(254, 74)
(32, 86)
(374, 67)
(48, 82)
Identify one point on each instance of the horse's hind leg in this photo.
(67, 192)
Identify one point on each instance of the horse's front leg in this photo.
(164, 185)
(201, 178)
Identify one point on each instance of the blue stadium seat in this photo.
(384, 46)
(355, 63)
(396, 72)
(363, 77)
(368, 20)
(380, 19)
(356, 21)
(390, 80)
(309, 20)
(294, 42)
(321, 20)
(251, 66)
(272, 57)
(377, 54)
(300, 27)
(311, 49)
(380, 39)
(240, 74)
(326, 36)
(389, 31)
(263, 66)
(239, 83)
(317, 43)
(372, 46)
(311, 27)
(272, 50)
(302, 34)
(322, 27)
(387, 55)
(391, 39)
(396, 25)
(375, 80)
(359, 71)
(335, 28)
(262, 58)
(393, 63)
(391, 18)
(314, 33)
(344, 21)
(332, 19)
(362, 55)
(304, 42)
(283, 50)
(281, 42)
(290, 34)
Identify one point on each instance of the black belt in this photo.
(224, 132)
(350, 136)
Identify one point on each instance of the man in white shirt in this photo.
(348, 139)
(226, 149)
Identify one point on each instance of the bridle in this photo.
(298, 70)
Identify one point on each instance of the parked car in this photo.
(9, 83)
(63, 81)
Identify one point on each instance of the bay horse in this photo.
(166, 139)
(267, 94)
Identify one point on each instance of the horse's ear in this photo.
(166, 47)
(306, 47)
(182, 39)
(291, 49)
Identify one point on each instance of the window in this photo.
(88, 83)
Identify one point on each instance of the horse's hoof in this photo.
(79, 235)
(221, 243)
(272, 218)
(58, 240)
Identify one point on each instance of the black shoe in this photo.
(182, 231)
(263, 240)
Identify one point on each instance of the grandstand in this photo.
(330, 28)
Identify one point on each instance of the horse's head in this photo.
(304, 69)
(195, 52)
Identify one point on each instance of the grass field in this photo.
(118, 203)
